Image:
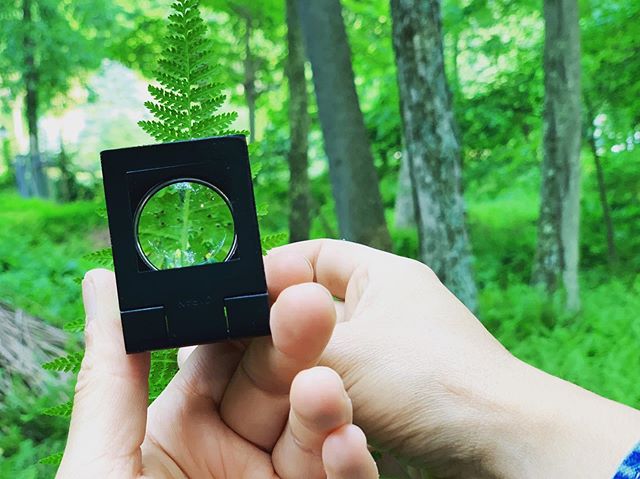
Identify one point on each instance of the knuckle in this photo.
(423, 271)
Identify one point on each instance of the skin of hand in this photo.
(430, 383)
(251, 409)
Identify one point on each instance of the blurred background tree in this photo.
(559, 222)
(479, 136)
(48, 46)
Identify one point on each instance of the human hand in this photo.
(255, 409)
(430, 383)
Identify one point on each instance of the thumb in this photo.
(110, 405)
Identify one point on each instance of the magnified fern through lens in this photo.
(185, 223)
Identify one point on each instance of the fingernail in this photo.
(89, 298)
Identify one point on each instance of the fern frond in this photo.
(186, 103)
(262, 210)
(102, 257)
(164, 365)
(53, 459)
(167, 115)
(159, 131)
(65, 364)
(273, 241)
(256, 168)
(74, 326)
(163, 95)
(60, 410)
(188, 98)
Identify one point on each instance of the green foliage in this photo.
(65, 364)
(164, 365)
(502, 257)
(60, 410)
(272, 241)
(26, 435)
(189, 96)
(40, 243)
(101, 257)
(68, 40)
(52, 459)
(596, 349)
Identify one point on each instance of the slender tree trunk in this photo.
(432, 145)
(38, 181)
(557, 253)
(68, 185)
(299, 190)
(455, 74)
(249, 83)
(353, 176)
(612, 255)
(8, 160)
(405, 216)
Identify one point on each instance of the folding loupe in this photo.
(185, 243)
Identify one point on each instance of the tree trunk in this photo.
(68, 185)
(38, 180)
(455, 74)
(612, 255)
(8, 160)
(432, 145)
(299, 190)
(557, 253)
(354, 179)
(404, 211)
(249, 83)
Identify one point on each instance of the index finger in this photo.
(333, 263)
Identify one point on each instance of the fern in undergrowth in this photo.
(60, 410)
(101, 257)
(53, 459)
(67, 364)
(186, 106)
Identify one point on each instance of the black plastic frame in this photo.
(196, 304)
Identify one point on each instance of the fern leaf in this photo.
(262, 210)
(74, 326)
(188, 98)
(273, 241)
(164, 366)
(101, 257)
(65, 364)
(256, 168)
(53, 459)
(60, 410)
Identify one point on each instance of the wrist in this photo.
(543, 426)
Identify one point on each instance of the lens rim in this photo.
(157, 188)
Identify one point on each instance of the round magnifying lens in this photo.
(185, 223)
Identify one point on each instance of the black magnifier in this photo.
(185, 243)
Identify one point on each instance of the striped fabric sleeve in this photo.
(630, 467)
